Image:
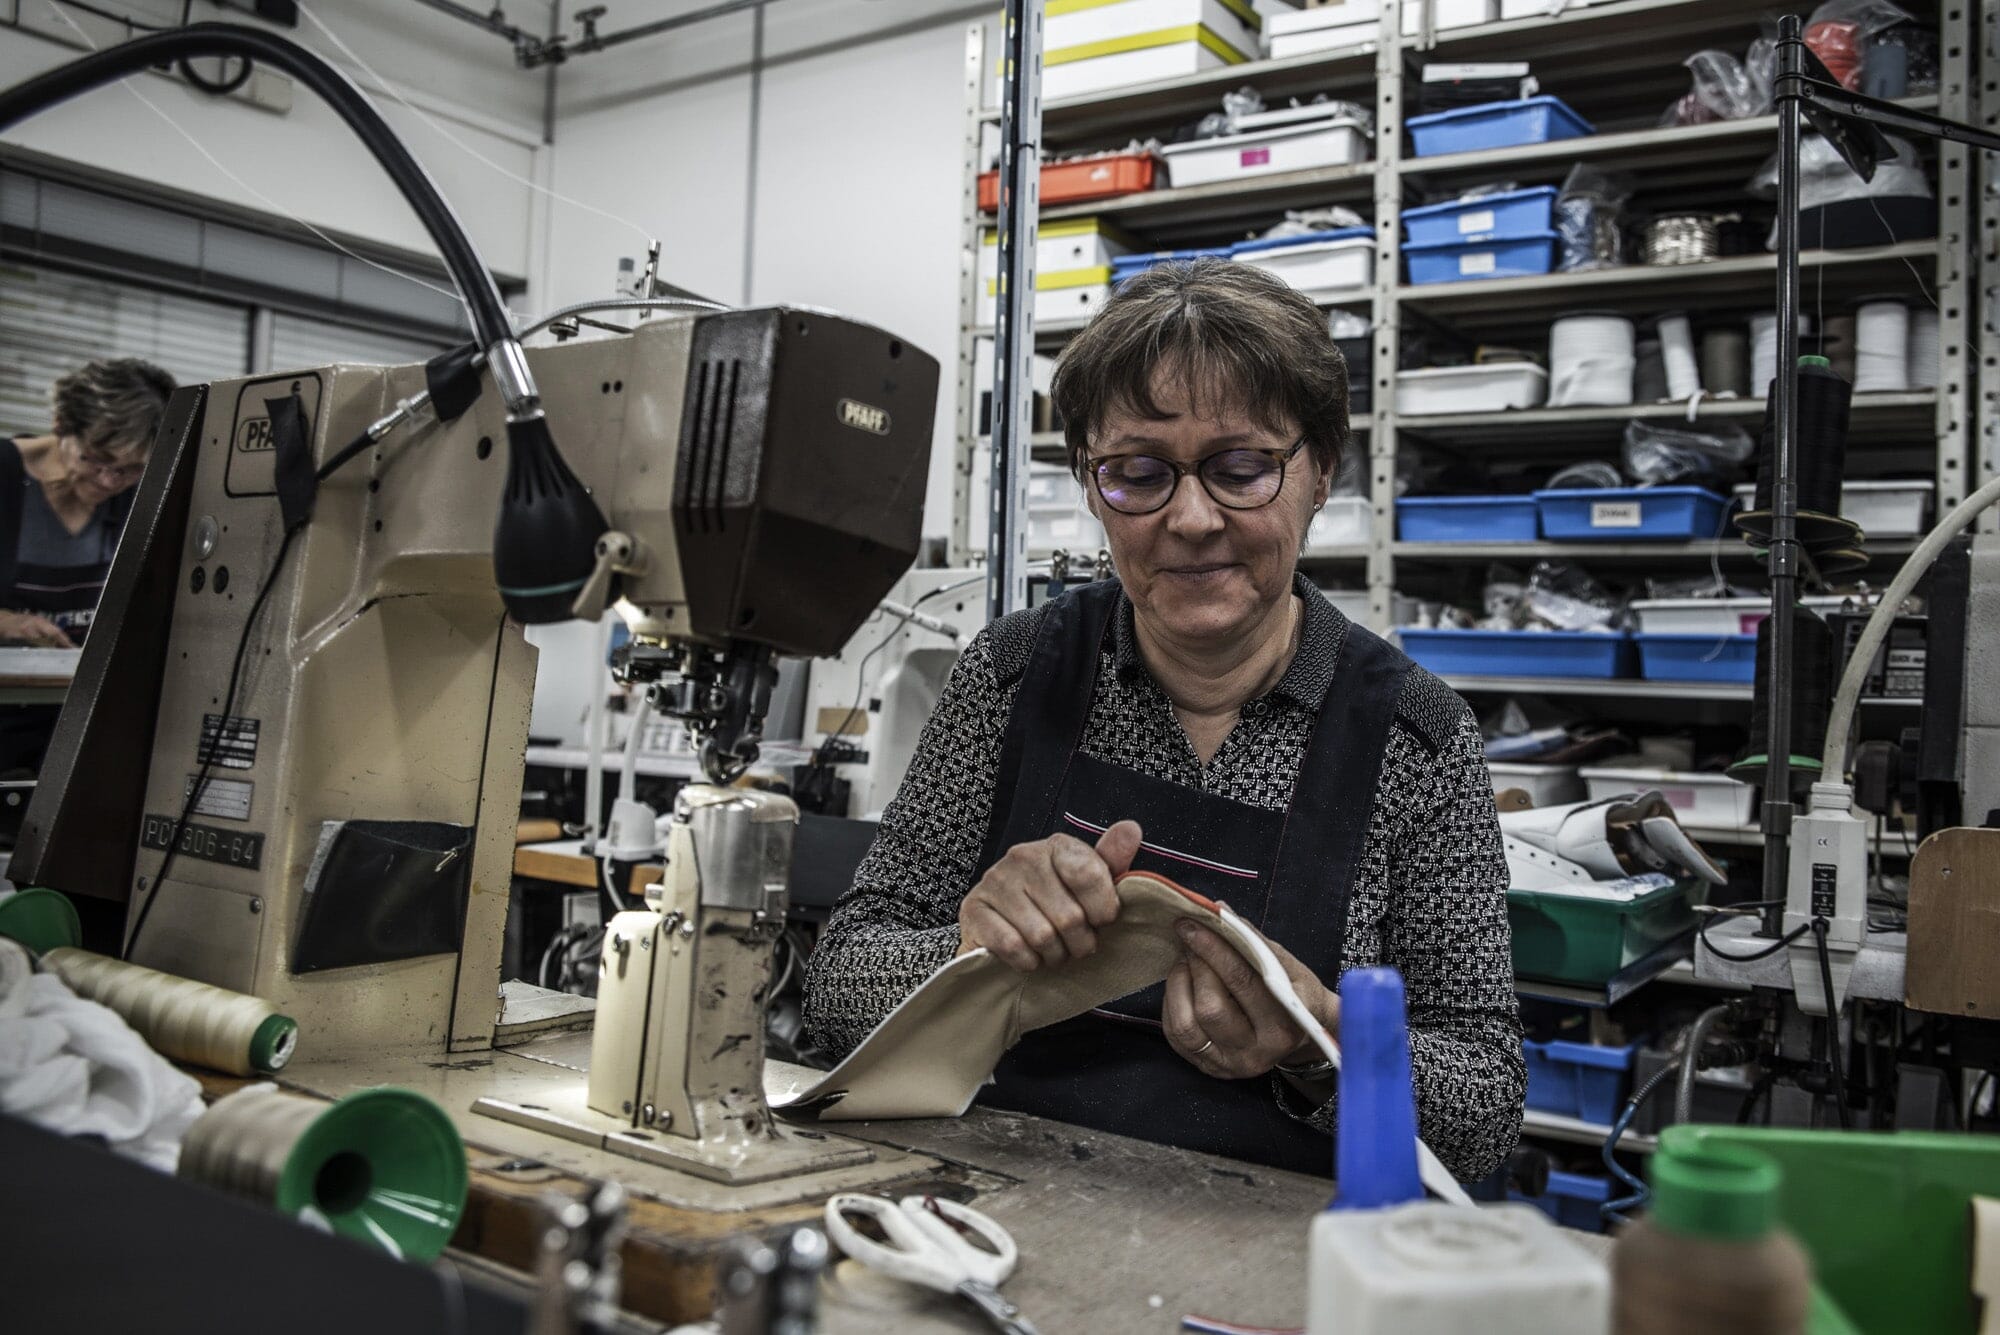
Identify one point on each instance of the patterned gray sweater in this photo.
(1428, 898)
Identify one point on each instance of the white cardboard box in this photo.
(1066, 26)
(1342, 522)
(1357, 22)
(1536, 9)
(1079, 243)
(1061, 295)
(1330, 142)
(1065, 75)
(1715, 801)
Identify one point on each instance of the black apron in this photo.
(1287, 872)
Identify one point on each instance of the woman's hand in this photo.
(32, 629)
(1044, 901)
(1220, 1017)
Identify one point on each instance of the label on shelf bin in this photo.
(1680, 799)
(1482, 221)
(1254, 157)
(1615, 514)
(1484, 261)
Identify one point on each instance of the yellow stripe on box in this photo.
(1146, 41)
(1061, 278)
(1070, 227)
(1240, 8)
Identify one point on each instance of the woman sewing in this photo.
(64, 496)
(1211, 716)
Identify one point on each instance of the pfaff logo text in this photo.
(863, 417)
(254, 436)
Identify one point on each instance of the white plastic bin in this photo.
(1051, 484)
(1711, 801)
(1701, 616)
(1489, 388)
(1064, 524)
(1319, 268)
(1545, 785)
(1343, 522)
(1898, 509)
(1535, 9)
(1893, 509)
(1300, 146)
(1353, 604)
(1357, 22)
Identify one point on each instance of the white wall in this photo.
(305, 161)
(859, 168)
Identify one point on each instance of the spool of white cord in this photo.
(1590, 361)
(1677, 350)
(1881, 347)
(1923, 369)
(1764, 349)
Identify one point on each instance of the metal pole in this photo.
(1014, 327)
(1784, 552)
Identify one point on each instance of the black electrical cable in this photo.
(475, 284)
(1754, 956)
(343, 456)
(861, 685)
(212, 87)
(214, 746)
(1818, 926)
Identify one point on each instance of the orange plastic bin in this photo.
(1090, 178)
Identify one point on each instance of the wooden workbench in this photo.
(1116, 1235)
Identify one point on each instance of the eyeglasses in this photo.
(106, 467)
(1237, 479)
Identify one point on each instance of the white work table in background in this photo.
(36, 676)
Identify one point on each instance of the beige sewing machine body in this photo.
(350, 854)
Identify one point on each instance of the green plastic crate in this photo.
(1885, 1216)
(1561, 938)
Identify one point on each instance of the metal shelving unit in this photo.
(1611, 60)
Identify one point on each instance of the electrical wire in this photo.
(215, 88)
(458, 143)
(861, 668)
(214, 749)
(1754, 956)
(244, 185)
(1818, 926)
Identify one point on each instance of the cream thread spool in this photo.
(1725, 361)
(1591, 360)
(180, 1018)
(1764, 349)
(1677, 350)
(1881, 347)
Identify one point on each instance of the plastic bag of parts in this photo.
(1562, 596)
(1591, 474)
(1302, 222)
(1503, 600)
(1589, 212)
(1347, 324)
(1664, 454)
(1839, 30)
(1726, 88)
(1697, 586)
(1825, 177)
(1243, 102)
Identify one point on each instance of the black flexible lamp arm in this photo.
(544, 542)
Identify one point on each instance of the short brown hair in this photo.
(1240, 336)
(112, 406)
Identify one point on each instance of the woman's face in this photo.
(1198, 571)
(96, 475)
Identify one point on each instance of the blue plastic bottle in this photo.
(1375, 1158)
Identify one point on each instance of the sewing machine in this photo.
(349, 853)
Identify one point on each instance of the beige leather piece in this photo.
(930, 1056)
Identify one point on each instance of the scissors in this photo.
(931, 1242)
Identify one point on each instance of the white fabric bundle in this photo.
(75, 1067)
(1591, 360)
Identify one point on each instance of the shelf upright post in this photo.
(1014, 330)
(1958, 186)
(1784, 550)
(967, 442)
(1386, 317)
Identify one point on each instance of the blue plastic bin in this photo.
(1466, 519)
(1280, 242)
(1532, 120)
(1572, 1199)
(1581, 1080)
(1620, 514)
(1125, 266)
(1519, 653)
(1698, 657)
(1513, 213)
(1503, 257)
